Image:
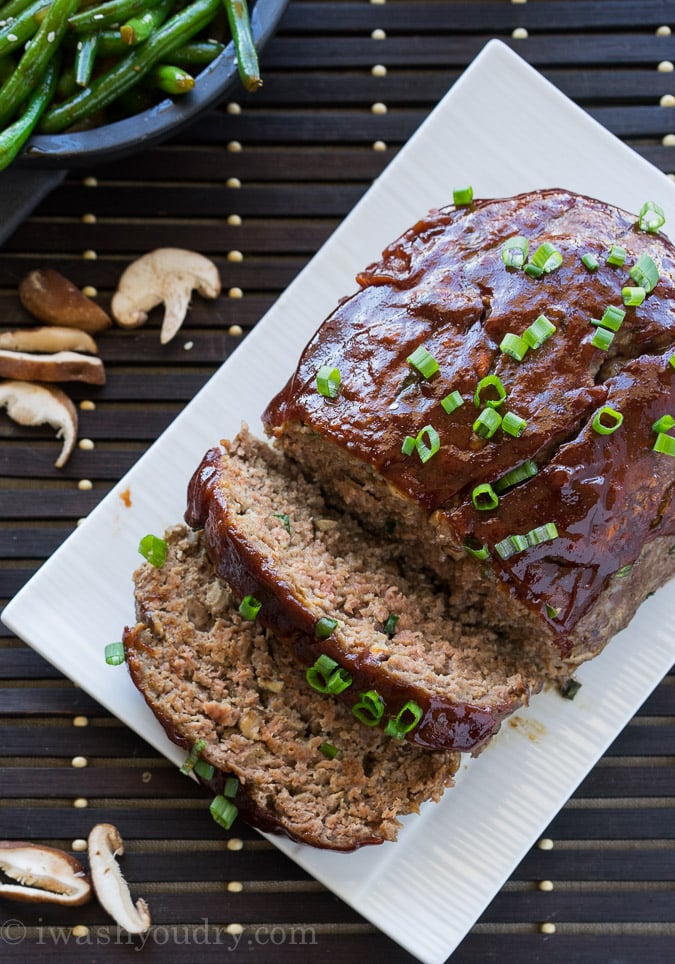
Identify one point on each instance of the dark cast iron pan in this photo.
(47, 158)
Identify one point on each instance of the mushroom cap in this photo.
(28, 403)
(43, 874)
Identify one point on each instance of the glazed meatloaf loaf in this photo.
(306, 766)
(403, 657)
(492, 406)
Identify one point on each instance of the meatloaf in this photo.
(208, 674)
(325, 585)
(446, 329)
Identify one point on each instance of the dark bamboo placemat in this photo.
(258, 185)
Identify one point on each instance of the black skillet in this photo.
(47, 158)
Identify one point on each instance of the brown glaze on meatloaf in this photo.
(271, 536)
(444, 285)
(209, 675)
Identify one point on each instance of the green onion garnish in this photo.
(487, 423)
(570, 688)
(547, 257)
(514, 252)
(484, 497)
(511, 545)
(517, 543)
(518, 474)
(369, 708)
(514, 346)
(663, 424)
(475, 548)
(552, 611)
(223, 811)
(633, 296)
(153, 549)
(462, 195)
(489, 382)
(616, 256)
(423, 361)
(328, 381)
(612, 318)
(329, 750)
(513, 424)
(405, 720)
(671, 361)
(230, 788)
(408, 446)
(665, 444)
(623, 571)
(114, 654)
(192, 757)
(249, 608)
(324, 627)
(533, 270)
(390, 625)
(602, 339)
(325, 676)
(538, 332)
(285, 518)
(451, 402)
(205, 770)
(427, 443)
(590, 262)
(645, 273)
(651, 217)
(542, 534)
(606, 420)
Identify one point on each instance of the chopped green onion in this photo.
(390, 625)
(205, 770)
(664, 444)
(487, 423)
(484, 497)
(542, 534)
(663, 424)
(651, 217)
(490, 381)
(423, 361)
(633, 296)
(533, 270)
(231, 787)
(602, 339)
(451, 402)
(612, 318)
(328, 381)
(570, 688)
(405, 720)
(606, 420)
(325, 676)
(329, 750)
(538, 332)
(511, 545)
(514, 346)
(223, 811)
(552, 611)
(518, 474)
(623, 571)
(645, 273)
(616, 256)
(153, 549)
(590, 262)
(427, 449)
(671, 361)
(462, 195)
(114, 654)
(514, 252)
(249, 608)
(192, 757)
(325, 627)
(547, 257)
(408, 446)
(285, 518)
(369, 708)
(513, 424)
(475, 548)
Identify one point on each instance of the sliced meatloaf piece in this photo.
(327, 586)
(208, 674)
(602, 503)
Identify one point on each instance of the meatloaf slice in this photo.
(207, 674)
(327, 586)
(444, 287)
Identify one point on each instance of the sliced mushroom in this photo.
(49, 338)
(43, 874)
(112, 890)
(51, 298)
(30, 404)
(165, 275)
(61, 366)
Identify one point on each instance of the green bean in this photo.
(107, 14)
(21, 28)
(197, 52)
(138, 29)
(247, 56)
(66, 85)
(85, 58)
(109, 85)
(35, 59)
(110, 44)
(13, 9)
(13, 138)
(171, 79)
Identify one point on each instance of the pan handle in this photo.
(20, 192)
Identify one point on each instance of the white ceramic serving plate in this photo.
(503, 129)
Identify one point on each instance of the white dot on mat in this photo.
(663, 31)
(235, 886)
(90, 291)
(80, 930)
(235, 843)
(235, 330)
(666, 67)
(378, 70)
(89, 219)
(235, 293)
(233, 182)
(668, 100)
(188, 346)
(79, 762)
(80, 803)
(236, 257)
(546, 886)
(86, 444)
(234, 147)
(234, 929)
(233, 108)
(520, 33)
(80, 721)
(234, 220)
(87, 406)
(379, 146)
(545, 843)
(90, 181)
(85, 485)
(547, 928)
(89, 255)
(378, 108)
(668, 140)
(378, 34)
(79, 845)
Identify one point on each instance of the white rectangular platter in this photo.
(503, 129)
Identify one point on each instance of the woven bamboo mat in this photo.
(258, 185)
